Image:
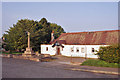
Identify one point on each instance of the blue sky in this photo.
(72, 16)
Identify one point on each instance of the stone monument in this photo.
(28, 52)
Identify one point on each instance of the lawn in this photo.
(12, 53)
(100, 63)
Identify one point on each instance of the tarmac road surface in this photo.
(18, 68)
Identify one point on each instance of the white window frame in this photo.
(77, 49)
(92, 50)
(82, 50)
(72, 49)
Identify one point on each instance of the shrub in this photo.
(110, 54)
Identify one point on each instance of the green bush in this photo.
(110, 54)
(100, 63)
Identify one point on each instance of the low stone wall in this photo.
(34, 59)
(7, 55)
(37, 59)
(45, 55)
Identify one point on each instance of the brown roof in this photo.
(90, 38)
(61, 41)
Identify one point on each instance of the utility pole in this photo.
(85, 52)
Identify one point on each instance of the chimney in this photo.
(52, 36)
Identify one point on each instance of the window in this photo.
(72, 50)
(77, 49)
(93, 50)
(82, 50)
(46, 48)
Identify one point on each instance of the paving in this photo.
(19, 68)
(74, 64)
(69, 59)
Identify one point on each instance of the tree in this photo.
(57, 30)
(16, 36)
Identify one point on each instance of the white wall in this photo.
(88, 50)
(50, 51)
(67, 50)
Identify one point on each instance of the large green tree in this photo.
(16, 36)
(57, 30)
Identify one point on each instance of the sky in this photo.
(72, 16)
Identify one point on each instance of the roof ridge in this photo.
(91, 31)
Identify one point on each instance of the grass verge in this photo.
(11, 52)
(100, 63)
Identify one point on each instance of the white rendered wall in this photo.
(51, 50)
(66, 51)
(88, 50)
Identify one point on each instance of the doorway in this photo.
(58, 51)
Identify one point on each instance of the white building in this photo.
(80, 44)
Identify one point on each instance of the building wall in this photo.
(73, 50)
(51, 50)
(87, 49)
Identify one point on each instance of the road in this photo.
(18, 68)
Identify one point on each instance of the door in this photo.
(58, 51)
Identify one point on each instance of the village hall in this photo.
(80, 44)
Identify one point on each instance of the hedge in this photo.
(110, 53)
